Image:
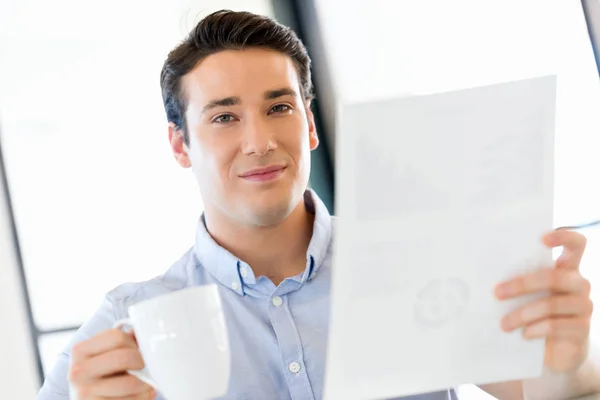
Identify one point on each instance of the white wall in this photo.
(391, 49)
(18, 379)
(85, 130)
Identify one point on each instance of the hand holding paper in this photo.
(562, 318)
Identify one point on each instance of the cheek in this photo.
(209, 159)
(295, 138)
(221, 156)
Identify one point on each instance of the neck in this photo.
(277, 252)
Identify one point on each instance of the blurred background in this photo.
(87, 180)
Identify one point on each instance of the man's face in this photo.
(250, 135)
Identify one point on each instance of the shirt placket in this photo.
(290, 347)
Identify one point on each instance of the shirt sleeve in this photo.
(56, 386)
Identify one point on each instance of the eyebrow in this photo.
(227, 101)
(273, 94)
(235, 100)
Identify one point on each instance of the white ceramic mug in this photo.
(184, 342)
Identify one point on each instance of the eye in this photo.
(280, 108)
(223, 118)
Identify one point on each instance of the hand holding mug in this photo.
(183, 342)
(99, 365)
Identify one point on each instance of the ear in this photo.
(313, 138)
(178, 146)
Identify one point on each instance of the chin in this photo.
(270, 206)
(269, 211)
(271, 214)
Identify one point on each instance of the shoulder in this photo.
(181, 274)
(333, 218)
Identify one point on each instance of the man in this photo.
(237, 95)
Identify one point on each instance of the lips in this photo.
(262, 171)
(263, 174)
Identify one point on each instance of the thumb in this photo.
(132, 334)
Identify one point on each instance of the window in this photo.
(97, 197)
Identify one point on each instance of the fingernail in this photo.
(506, 324)
(550, 238)
(502, 290)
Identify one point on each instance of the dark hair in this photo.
(227, 30)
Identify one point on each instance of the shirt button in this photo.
(243, 272)
(294, 367)
(235, 286)
(277, 301)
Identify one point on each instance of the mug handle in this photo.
(141, 375)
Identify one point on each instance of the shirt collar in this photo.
(228, 269)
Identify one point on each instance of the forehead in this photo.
(244, 73)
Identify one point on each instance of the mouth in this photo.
(263, 174)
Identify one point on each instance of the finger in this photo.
(547, 307)
(120, 386)
(142, 396)
(546, 279)
(559, 328)
(101, 343)
(573, 243)
(106, 364)
(145, 396)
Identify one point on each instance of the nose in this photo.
(258, 139)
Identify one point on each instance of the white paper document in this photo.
(439, 198)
